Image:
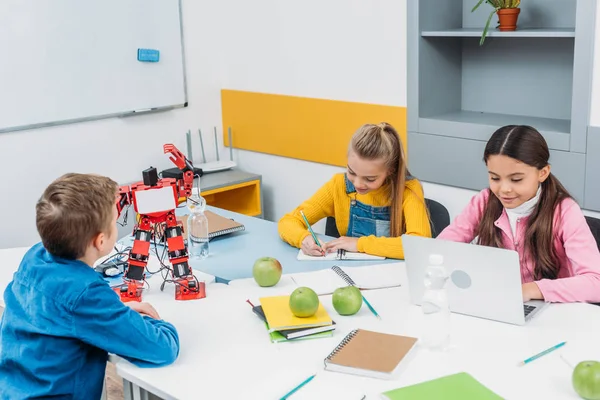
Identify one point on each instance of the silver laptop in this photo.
(484, 281)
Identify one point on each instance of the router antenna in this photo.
(202, 146)
(216, 143)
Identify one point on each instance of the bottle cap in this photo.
(436, 259)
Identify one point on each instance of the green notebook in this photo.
(461, 386)
(277, 337)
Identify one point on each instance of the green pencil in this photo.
(310, 229)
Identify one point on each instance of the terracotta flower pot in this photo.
(508, 18)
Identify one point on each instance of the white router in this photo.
(212, 166)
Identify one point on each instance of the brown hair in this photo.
(525, 144)
(73, 210)
(382, 142)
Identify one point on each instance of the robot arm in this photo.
(184, 186)
(123, 199)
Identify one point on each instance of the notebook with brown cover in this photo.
(369, 353)
(217, 225)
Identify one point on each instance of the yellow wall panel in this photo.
(300, 127)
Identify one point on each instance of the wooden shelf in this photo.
(525, 33)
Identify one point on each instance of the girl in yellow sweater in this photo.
(373, 203)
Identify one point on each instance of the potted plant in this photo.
(508, 12)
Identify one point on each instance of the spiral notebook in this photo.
(217, 225)
(341, 254)
(325, 281)
(372, 354)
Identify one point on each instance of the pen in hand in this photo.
(312, 232)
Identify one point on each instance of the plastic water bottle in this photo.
(197, 227)
(436, 313)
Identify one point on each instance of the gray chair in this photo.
(440, 219)
(594, 224)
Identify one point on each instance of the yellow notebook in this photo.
(280, 317)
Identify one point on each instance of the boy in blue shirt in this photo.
(61, 318)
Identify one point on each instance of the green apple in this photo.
(266, 271)
(347, 300)
(586, 380)
(304, 302)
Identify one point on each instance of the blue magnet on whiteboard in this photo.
(148, 55)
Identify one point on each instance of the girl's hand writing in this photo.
(310, 248)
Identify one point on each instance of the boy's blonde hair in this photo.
(382, 142)
(73, 210)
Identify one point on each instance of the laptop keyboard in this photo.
(528, 309)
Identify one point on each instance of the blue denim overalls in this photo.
(366, 220)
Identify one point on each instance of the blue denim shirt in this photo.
(61, 319)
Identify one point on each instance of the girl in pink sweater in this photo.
(528, 210)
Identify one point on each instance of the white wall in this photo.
(119, 148)
(337, 49)
(595, 106)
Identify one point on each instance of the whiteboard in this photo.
(65, 61)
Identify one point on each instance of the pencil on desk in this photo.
(294, 390)
(310, 229)
(370, 306)
(543, 353)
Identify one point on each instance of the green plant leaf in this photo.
(477, 5)
(487, 26)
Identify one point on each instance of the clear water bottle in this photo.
(197, 227)
(436, 313)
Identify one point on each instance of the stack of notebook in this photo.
(283, 325)
(370, 277)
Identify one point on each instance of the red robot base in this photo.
(155, 201)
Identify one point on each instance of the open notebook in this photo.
(369, 277)
(338, 255)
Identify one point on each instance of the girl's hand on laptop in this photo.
(143, 309)
(344, 243)
(531, 291)
(310, 248)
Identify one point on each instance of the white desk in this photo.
(226, 352)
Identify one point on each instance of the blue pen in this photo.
(294, 390)
(543, 353)
(370, 307)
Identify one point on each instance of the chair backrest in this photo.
(594, 224)
(440, 219)
(331, 228)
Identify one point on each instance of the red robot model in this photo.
(155, 201)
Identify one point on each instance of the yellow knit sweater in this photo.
(331, 200)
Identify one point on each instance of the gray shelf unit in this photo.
(459, 92)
